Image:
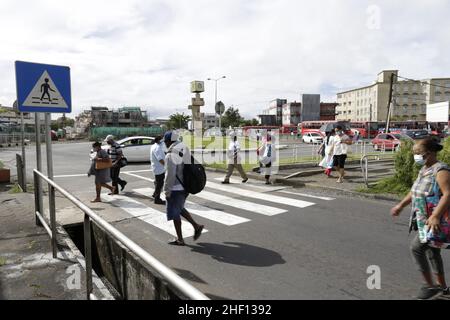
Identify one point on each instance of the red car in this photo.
(389, 141)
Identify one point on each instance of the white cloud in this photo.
(146, 52)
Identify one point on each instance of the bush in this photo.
(444, 155)
(406, 170)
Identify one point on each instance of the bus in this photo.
(323, 127)
(311, 126)
(363, 129)
(289, 129)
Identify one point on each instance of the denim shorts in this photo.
(175, 205)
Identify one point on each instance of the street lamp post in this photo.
(215, 100)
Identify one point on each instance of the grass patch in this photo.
(217, 142)
(15, 189)
(2, 261)
(2, 165)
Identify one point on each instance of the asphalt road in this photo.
(261, 242)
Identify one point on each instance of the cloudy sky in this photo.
(146, 52)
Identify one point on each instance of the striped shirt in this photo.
(115, 151)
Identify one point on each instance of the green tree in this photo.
(231, 118)
(178, 121)
(253, 122)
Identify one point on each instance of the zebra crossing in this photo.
(213, 195)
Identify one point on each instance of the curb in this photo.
(299, 184)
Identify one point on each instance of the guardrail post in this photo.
(37, 199)
(52, 209)
(88, 254)
(19, 166)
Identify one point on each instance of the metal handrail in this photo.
(171, 277)
(365, 167)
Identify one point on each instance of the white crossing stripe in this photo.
(261, 196)
(202, 211)
(308, 195)
(85, 174)
(254, 185)
(140, 177)
(240, 204)
(149, 215)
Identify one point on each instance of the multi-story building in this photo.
(310, 110)
(210, 120)
(328, 111)
(276, 109)
(291, 113)
(103, 117)
(410, 98)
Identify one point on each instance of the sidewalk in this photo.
(27, 268)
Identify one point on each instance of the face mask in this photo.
(418, 158)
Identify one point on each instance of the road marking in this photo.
(260, 196)
(249, 194)
(307, 195)
(140, 177)
(202, 211)
(85, 174)
(259, 186)
(240, 204)
(149, 215)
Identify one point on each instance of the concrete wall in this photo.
(129, 276)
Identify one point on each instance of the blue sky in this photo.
(146, 52)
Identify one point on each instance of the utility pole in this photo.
(370, 122)
(388, 117)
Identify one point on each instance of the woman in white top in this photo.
(340, 148)
(327, 150)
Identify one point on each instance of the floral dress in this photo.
(426, 195)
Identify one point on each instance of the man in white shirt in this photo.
(157, 158)
(340, 146)
(177, 155)
(234, 160)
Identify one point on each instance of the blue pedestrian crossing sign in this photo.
(43, 88)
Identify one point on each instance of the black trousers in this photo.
(115, 172)
(159, 183)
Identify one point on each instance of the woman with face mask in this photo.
(430, 200)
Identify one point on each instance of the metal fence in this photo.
(90, 216)
(15, 139)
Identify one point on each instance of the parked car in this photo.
(417, 134)
(312, 137)
(389, 141)
(135, 149)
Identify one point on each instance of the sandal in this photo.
(96, 200)
(198, 233)
(177, 243)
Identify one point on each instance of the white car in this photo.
(135, 149)
(313, 137)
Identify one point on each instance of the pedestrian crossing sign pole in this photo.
(44, 88)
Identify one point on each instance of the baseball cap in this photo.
(109, 138)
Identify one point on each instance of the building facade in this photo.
(276, 109)
(409, 99)
(310, 110)
(210, 120)
(291, 113)
(328, 111)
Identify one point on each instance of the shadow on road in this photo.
(239, 254)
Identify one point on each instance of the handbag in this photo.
(440, 239)
(101, 165)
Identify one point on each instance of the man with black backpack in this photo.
(183, 176)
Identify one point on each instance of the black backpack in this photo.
(194, 176)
